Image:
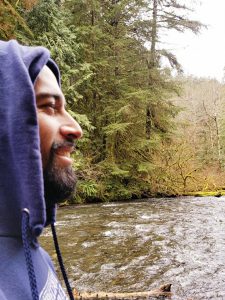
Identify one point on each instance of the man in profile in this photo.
(37, 138)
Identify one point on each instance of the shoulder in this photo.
(2, 296)
(47, 259)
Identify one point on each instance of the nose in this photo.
(71, 128)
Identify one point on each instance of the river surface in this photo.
(137, 246)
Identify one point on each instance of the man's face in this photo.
(58, 132)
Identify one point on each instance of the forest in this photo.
(149, 130)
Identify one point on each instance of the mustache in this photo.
(64, 144)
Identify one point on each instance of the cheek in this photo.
(47, 132)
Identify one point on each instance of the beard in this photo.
(59, 182)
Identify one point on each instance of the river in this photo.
(137, 246)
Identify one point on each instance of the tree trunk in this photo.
(148, 122)
(162, 292)
(151, 65)
(218, 143)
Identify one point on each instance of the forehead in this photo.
(46, 83)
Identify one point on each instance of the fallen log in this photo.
(164, 291)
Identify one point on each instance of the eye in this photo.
(50, 104)
(49, 107)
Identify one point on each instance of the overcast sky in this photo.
(202, 54)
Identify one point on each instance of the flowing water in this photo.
(137, 246)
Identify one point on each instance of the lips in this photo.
(64, 154)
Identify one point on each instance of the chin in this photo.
(59, 184)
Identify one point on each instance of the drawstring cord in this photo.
(27, 252)
(28, 258)
(60, 260)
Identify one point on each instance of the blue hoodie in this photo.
(21, 179)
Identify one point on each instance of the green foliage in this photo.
(115, 86)
(10, 18)
(87, 189)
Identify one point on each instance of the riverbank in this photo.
(218, 193)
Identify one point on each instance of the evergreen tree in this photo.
(123, 84)
(10, 18)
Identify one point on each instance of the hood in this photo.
(21, 179)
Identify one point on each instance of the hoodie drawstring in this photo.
(60, 260)
(28, 257)
(27, 252)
